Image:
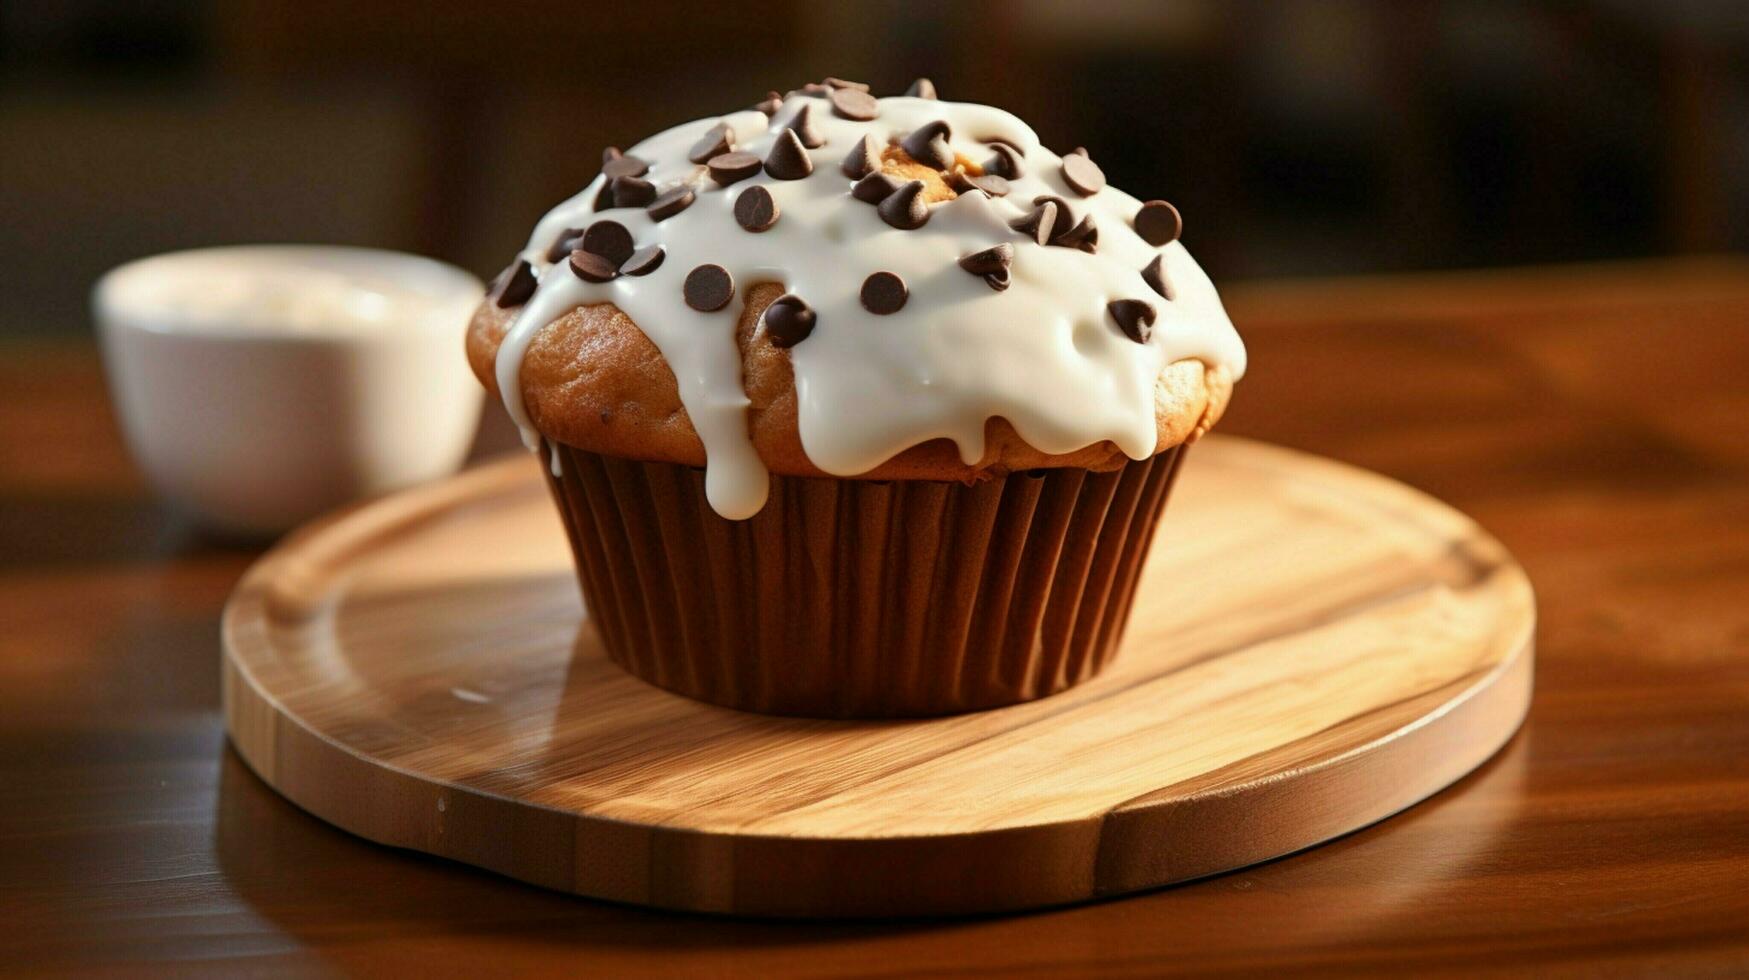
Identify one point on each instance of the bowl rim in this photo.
(435, 279)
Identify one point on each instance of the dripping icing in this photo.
(1041, 354)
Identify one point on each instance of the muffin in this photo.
(857, 407)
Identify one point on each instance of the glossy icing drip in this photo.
(1043, 353)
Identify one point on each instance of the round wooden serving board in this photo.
(1313, 648)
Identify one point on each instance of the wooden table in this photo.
(1596, 419)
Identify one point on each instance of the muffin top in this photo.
(834, 284)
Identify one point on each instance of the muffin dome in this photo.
(834, 284)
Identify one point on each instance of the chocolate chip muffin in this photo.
(857, 406)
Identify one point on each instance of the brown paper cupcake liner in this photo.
(857, 598)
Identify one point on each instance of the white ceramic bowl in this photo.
(260, 385)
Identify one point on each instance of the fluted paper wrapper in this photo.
(859, 598)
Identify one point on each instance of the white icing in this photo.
(1043, 354)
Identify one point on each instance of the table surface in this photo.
(1594, 418)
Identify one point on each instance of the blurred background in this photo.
(1297, 137)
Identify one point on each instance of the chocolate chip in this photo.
(839, 83)
(1134, 317)
(802, 124)
(564, 244)
(604, 196)
(708, 287)
(625, 166)
(863, 159)
(670, 203)
(927, 144)
(728, 168)
(755, 210)
(1159, 223)
(787, 160)
(814, 88)
(985, 261)
(1037, 223)
(1081, 173)
(855, 104)
(770, 104)
(644, 261)
(516, 285)
(716, 141)
(884, 293)
(1154, 274)
(999, 280)
(1065, 217)
(905, 207)
(964, 183)
(788, 321)
(590, 267)
(1008, 162)
(1066, 221)
(874, 188)
(632, 192)
(1084, 236)
(610, 240)
(610, 154)
(922, 88)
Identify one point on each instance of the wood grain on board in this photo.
(1312, 648)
